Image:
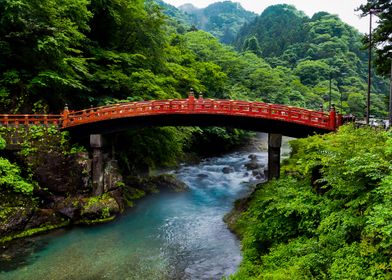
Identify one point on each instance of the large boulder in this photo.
(99, 207)
(60, 173)
(228, 169)
(69, 207)
(14, 219)
(169, 182)
(154, 184)
(43, 217)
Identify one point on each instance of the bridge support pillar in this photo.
(274, 144)
(97, 144)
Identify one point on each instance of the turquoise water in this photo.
(166, 236)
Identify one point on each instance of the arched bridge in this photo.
(257, 116)
(277, 120)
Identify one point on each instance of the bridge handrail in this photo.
(191, 105)
(30, 119)
(208, 106)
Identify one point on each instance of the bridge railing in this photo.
(325, 120)
(26, 120)
(202, 106)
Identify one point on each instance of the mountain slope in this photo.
(221, 19)
(321, 50)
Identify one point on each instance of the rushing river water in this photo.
(166, 236)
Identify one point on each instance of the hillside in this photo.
(318, 49)
(221, 19)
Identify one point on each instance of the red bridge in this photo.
(257, 116)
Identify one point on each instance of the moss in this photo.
(32, 231)
(134, 193)
(131, 194)
(93, 201)
(120, 184)
(99, 207)
(97, 221)
(105, 212)
(5, 212)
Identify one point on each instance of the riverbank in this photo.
(328, 216)
(58, 192)
(170, 235)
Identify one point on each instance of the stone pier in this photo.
(97, 144)
(274, 145)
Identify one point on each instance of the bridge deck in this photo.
(232, 109)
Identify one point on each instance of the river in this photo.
(165, 236)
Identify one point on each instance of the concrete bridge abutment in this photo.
(97, 144)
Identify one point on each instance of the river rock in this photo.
(59, 173)
(69, 211)
(252, 157)
(202, 176)
(15, 220)
(169, 182)
(117, 194)
(253, 165)
(153, 184)
(259, 174)
(228, 169)
(69, 208)
(100, 207)
(42, 217)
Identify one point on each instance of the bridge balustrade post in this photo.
(191, 100)
(274, 144)
(65, 116)
(97, 144)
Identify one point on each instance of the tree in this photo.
(252, 44)
(312, 71)
(383, 32)
(41, 50)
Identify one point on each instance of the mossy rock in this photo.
(13, 219)
(99, 207)
(169, 182)
(154, 184)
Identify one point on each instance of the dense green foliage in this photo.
(382, 34)
(10, 176)
(90, 53)
(319, 50)
(330, 215)
(93, 53)
(44, 151)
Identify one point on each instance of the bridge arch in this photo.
(255, 116)
(277, 120)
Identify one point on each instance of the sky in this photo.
(344, 8)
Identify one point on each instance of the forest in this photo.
(84, 54)
(329, 217)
